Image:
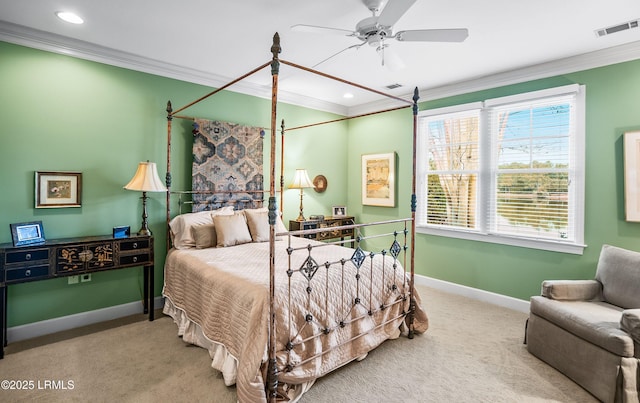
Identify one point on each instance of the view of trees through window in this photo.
(529, 169)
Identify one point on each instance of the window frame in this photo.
(485, 191)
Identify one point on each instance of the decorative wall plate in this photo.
(320, 183)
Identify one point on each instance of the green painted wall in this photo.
(611, 103)
(60, 113)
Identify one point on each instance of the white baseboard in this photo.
(474, 293)
(49, 326)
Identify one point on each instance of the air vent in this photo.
(393, 86)
(617, 28)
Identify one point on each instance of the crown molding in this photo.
(33, 38)
(605, 57)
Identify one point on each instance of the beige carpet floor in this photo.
(473, 352)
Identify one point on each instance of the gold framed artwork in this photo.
(378, 180)
(58, 189)
(632, 175)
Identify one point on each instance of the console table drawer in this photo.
(24, 256)
(83, 257)
(134, 245)
(141, 258)
(26, 273)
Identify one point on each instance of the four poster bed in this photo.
(275, 309)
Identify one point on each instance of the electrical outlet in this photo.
(72, 279)
(85, 277)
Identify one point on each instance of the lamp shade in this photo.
(301, 180)
(146, 179)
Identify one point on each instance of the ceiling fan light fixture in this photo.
(69, 17)
(347, 95)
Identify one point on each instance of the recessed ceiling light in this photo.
(348, 95)
(69, 17)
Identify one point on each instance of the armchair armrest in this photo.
(630, 323)
(572, 290)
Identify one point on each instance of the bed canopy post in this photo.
(168, 176)
(281, 166)
(272, 371)
(412, 300)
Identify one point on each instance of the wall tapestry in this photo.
(227, 157)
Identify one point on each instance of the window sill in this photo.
(552, 246)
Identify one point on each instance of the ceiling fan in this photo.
(375, 30)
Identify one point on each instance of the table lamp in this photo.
(145, 180)
(301, 181)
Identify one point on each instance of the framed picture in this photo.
(339, 211)
(58, 189)
(632, 175)
(27, 233)
(379, 180)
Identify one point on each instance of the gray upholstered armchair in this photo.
(590, 329)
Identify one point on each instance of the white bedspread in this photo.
(224, 294)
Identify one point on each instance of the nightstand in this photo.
(74, 256)
(327, 222)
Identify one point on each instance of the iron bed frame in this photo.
(271, 380)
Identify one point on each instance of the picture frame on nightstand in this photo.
(338, 211)
(27, 233)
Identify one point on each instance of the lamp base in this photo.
(144, 232)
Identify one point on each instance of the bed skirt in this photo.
(221, 359)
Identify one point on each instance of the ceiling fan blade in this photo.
(321, 30)
(393, 11)
(433, 35)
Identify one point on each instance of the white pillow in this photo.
(180, 226)
(231, 229)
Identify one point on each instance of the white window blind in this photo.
(531, 168)
(508, 170)
(451, 176)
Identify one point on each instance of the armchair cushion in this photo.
(619, 272)
(572, 290)
(596, 322)
(630, 323)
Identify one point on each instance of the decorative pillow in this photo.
(231, 229)
(180, 226)
(258, 222)
(280, 227)
(204, 235)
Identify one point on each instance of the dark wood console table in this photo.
(326, 222)
(73, 256)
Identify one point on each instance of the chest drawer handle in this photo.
(135, 245)
(28, 256)
(135, 259)
(27, 272)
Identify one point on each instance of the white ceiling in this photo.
(213, 42)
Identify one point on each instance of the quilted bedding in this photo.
(224, 293)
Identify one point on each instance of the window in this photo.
(507, 170)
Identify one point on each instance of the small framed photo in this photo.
(339, 211)
(121, 232)
(27, 233)
(58, 189)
